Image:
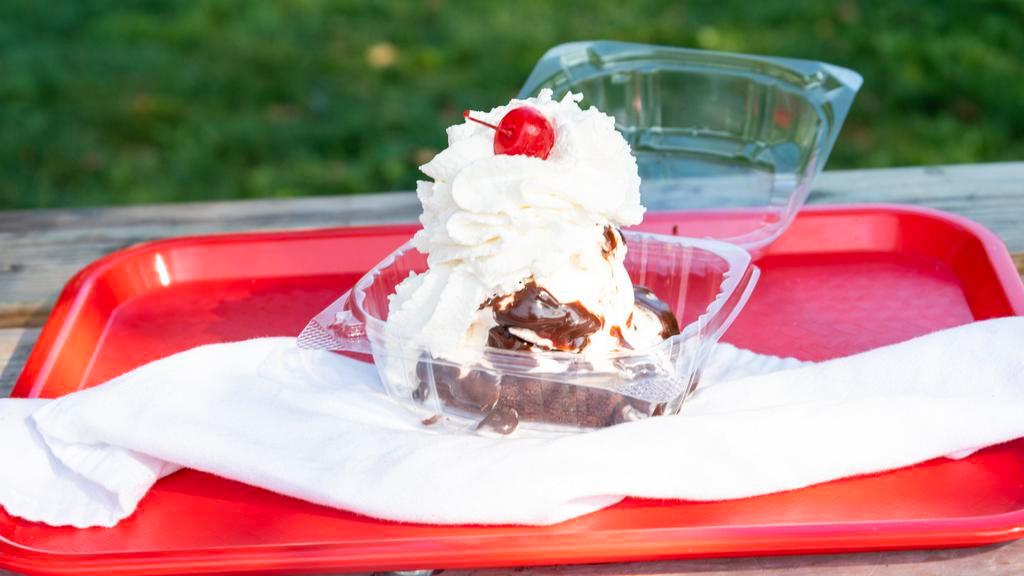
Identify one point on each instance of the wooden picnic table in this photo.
(41, 249)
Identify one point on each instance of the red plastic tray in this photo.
(841, 280)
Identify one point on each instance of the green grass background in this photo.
(105, 102)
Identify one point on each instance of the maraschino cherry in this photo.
(523, 130)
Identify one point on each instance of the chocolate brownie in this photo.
(507, 399)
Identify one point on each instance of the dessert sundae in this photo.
(525, 264)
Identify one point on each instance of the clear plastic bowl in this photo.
(712, 130)
(705, 282)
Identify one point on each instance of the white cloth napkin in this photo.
(313, 425)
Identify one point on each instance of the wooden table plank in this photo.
(1002, 559)
(42, 249)
(15, 344)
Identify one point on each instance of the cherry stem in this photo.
(466, 115)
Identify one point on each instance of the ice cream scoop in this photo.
(524, 251)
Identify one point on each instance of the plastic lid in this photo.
(712, 130)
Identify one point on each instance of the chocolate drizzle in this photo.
(422, 391)
(499, 337)
(502, 420)
(476, 390)
(567, 326)
(616, 332)
(644, 297)
(611, 241)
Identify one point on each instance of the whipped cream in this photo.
(493, 222)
